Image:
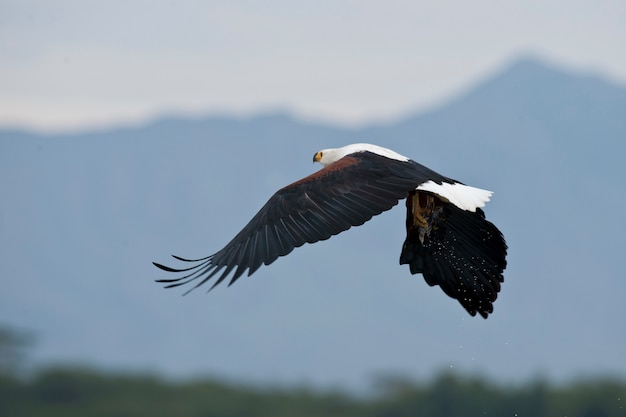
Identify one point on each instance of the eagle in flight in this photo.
(448, 240)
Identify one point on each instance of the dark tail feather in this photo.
(463, 253)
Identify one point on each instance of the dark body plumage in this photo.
(453, 248)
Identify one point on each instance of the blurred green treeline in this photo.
(73, 391)
(79, 392)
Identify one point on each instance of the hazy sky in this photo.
(67, 64)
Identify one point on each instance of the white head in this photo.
(328, 156)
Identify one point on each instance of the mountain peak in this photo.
(545, 78)
(529, 65)
(531, 84)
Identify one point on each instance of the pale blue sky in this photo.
(67, 64)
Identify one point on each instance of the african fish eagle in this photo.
(448, 240)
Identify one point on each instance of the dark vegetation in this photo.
(80, 392)
(73, 391)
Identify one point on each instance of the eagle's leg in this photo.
(422, 215)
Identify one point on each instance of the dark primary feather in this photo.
(347, 193)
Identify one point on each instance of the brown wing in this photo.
(347, 193)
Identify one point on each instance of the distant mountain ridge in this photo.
(84, 214)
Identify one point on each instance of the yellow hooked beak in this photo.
(317, 157)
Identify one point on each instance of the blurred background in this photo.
(133, 130)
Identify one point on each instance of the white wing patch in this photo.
(463, 196)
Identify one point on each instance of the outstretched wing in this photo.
(346, 193)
